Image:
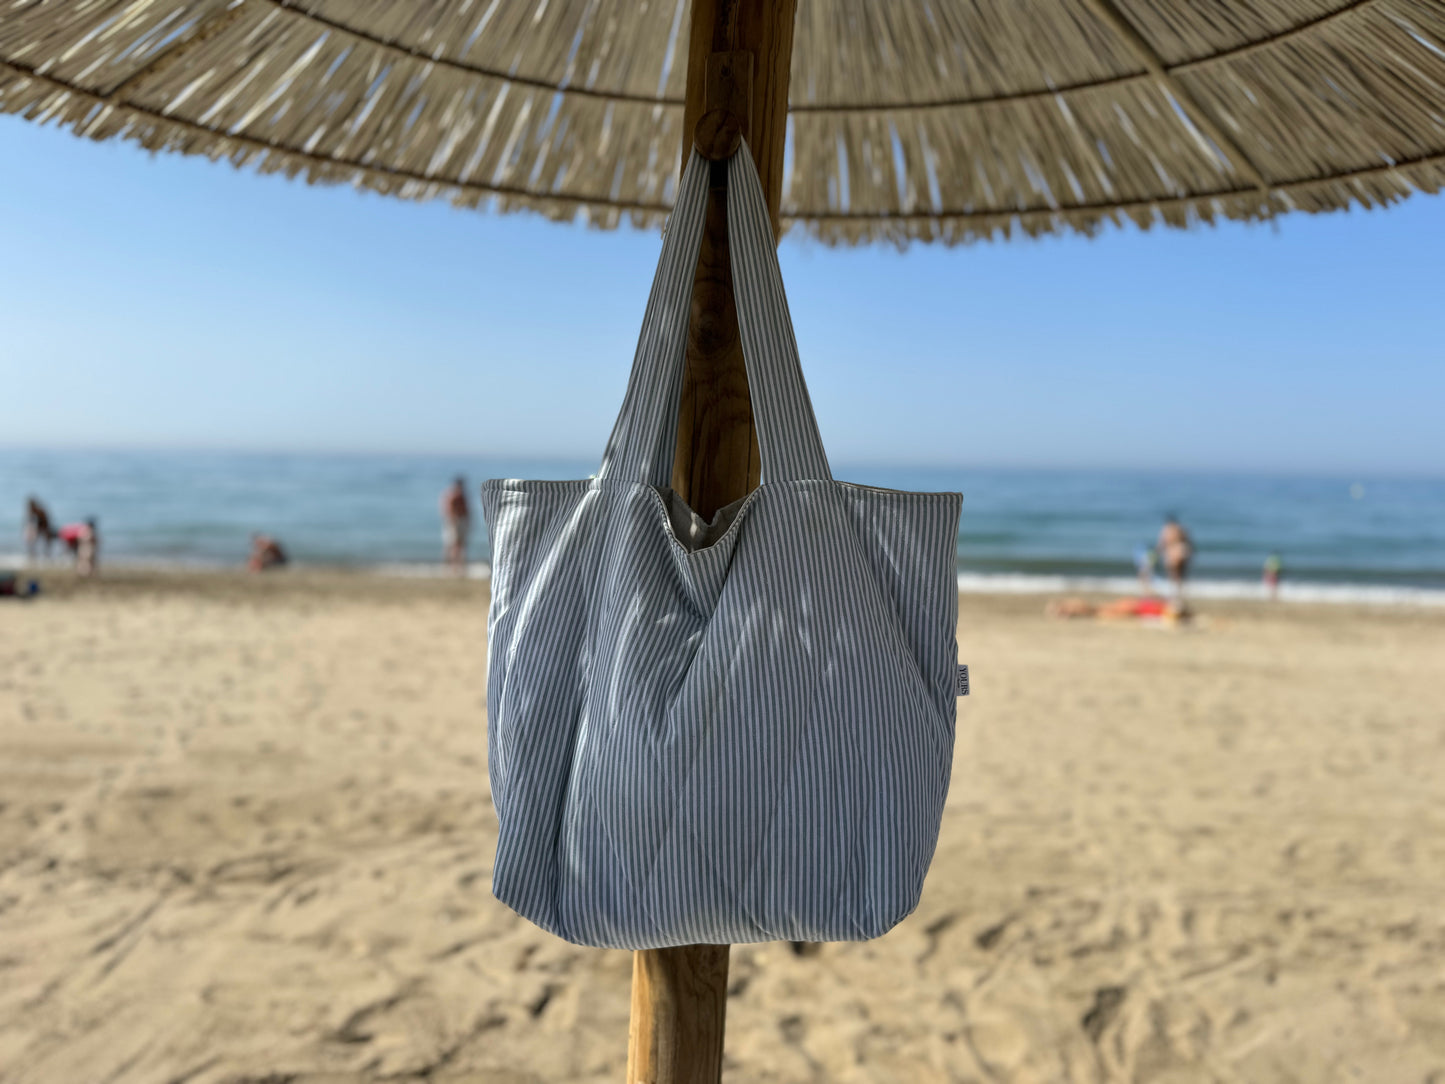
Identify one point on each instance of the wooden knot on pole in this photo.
(728, 105)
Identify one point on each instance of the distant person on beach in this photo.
(266, 553)
(456, 523)
(1145, 558)
(83, 541)
(1177, 549)
(1149, 609)
(1273, 568)
(38, 531)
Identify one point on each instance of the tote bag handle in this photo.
(643, 440)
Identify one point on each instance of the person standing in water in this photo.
(456, 524)
(1273, 567)
(38, 531)
(1177, 549)
(83, 540)
(1145, 558)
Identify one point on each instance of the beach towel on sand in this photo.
(730, 731)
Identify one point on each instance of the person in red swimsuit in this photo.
(83, 541)
(456, 524)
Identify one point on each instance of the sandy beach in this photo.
(245, 836)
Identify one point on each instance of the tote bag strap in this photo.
(644, 424)
(788, 438)
(643, 440)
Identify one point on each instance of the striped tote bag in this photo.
(718, 732)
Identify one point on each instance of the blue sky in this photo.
(159, 301)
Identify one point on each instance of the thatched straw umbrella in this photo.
(945, 120)
(927, 120)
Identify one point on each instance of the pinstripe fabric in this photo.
(747, 741)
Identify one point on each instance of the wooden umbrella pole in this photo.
(679, 995)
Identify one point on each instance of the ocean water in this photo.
(1371, 538)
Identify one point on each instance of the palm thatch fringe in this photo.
(948, 122)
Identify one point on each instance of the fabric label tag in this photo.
(960, 687)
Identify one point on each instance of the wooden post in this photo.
(679, 995)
